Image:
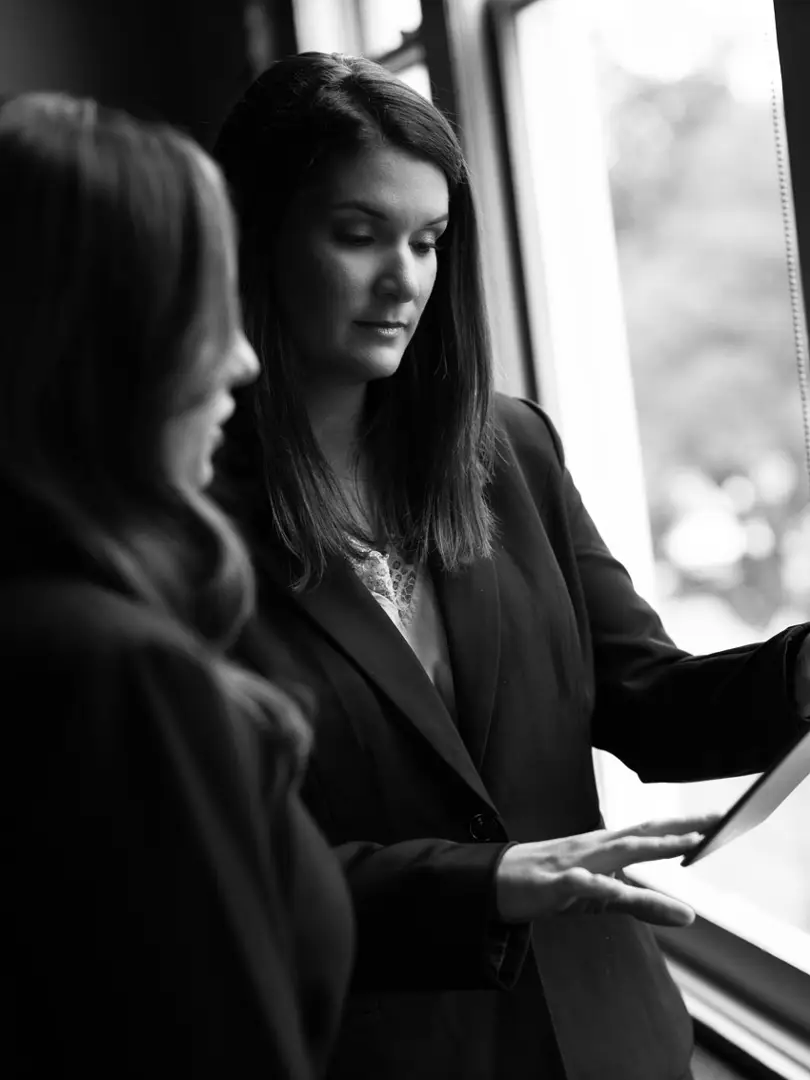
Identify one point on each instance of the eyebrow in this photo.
(367, 208)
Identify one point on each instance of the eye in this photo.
(355, 239)
(427, 244)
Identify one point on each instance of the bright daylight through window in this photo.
(688, 97)
(383, 25)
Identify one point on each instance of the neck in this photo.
(334, 414)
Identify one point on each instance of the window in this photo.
(385, 26)
(703, 228)
(656, 228)
(392, 34)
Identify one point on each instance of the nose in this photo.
(245, 364)
(399, 279)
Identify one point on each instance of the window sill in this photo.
(737, 1033)
(749, 1006)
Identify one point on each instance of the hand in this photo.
(573, 874)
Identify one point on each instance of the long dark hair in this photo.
(114, 315)
(427, 429)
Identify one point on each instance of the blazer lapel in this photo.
(343, 608)
(470, 609)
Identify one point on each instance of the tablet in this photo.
(759, 801)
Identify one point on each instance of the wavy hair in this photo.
(430, 476)
(117, 310)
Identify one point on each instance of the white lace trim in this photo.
(392, 581)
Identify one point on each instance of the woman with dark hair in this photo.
(171, 908)
(421, 543)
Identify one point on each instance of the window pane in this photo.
(417, 76)
(702, 226)
(688, 95)
(383, 23)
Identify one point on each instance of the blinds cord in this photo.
(792, 258)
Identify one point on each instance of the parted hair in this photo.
(427, 430)
(114, 315)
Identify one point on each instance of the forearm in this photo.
(697, 718)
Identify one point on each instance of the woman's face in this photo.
(356, 264)
(195, 433)
(194, 436)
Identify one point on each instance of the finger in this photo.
(678, 826)
(615, 854)
(581, 892)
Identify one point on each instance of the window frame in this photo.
(429, 44)
(750, 979)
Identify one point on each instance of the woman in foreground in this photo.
(172, 909)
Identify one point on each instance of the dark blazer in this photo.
(163, 919)
(552, 653)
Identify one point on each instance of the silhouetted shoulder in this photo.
(147, 865)
(528, 430)
(72, 618)
(95, 669)
(529, 450)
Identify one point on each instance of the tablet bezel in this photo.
(718, 836)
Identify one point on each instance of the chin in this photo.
(204, 474)
(379, 364)
(355, 367)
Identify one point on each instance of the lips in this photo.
(381, 324)
(227, 412)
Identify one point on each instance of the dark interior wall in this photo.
(39, 45)
(181, 60)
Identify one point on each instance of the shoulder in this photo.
(527, 428)
(527, 441)
(79, 635)
(111, 681)
(74, 616)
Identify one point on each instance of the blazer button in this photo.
(483, 827)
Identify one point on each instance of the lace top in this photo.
(393, 582)
(406, 594)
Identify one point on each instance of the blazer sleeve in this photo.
(667, 714)
(147, 932)
(426, 917)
